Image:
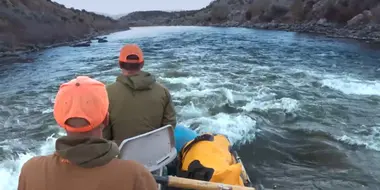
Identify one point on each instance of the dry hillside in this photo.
(147, 18)
(30, 24)
(340, 18)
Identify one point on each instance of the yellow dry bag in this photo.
(209, 158)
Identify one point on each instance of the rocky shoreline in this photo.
(29, 26)
(366, 33)
(351, 19)
(18, 55)
(23, 29)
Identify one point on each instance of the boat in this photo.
(164, 145)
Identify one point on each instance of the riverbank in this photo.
(352, 19)
(366, 33)
(21, 55)
(29, 26)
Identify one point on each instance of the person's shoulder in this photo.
(158, 84)
(130, 167)
(130, 164)
(35, 162)
(161, 86)
(142, 177)
(37, 159)
(113, 88)
(111, 85)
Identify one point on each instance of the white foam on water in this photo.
(370, 141)
(350, 85)
(259, 67)
(49, 110)
(286, 104)
(229, 95)
(9, 144)
(182, 80)
(10, 169)
(238, 128)
(185, 93)
(263, 99)
(190, 111)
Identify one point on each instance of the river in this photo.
(304, 111)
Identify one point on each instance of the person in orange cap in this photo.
(83, 159)
(138, 104)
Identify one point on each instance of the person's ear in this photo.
(106, 120)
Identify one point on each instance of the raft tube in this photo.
(183, 135)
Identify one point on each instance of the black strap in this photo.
(195, 169)
(185, 149)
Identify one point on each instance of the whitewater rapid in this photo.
(212, 92)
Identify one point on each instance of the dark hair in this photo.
(133, 57)
(131, 66)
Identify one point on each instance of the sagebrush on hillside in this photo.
(359, 19)
(265, 11)
(28, 23)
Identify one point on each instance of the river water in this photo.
(304, 111)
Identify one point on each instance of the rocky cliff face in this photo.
(339, 18)
(31, 24)
(149, 18)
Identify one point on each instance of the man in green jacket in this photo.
(138, 104)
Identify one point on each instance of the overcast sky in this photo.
(115, 7)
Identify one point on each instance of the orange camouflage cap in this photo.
(82, 97)
(129, 50)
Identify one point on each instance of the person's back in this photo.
(101, 173)
(138, 104)
(83, 160)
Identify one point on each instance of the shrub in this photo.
(64, 19)
(376, 14)
(248, 15)
(297, 10)
(220, 12)
(258, 7)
